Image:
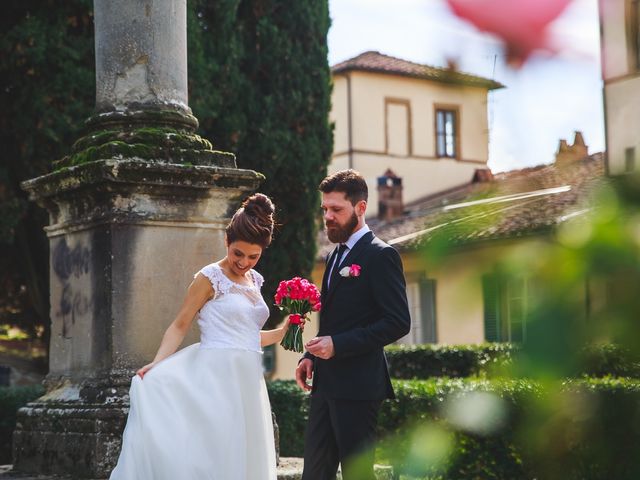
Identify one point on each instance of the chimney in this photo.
(389, 196)
(482, 175)
(568, 154)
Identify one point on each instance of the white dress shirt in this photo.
(353, 239)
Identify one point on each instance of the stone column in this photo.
(135, 209)
(141, 55)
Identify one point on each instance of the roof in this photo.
(377, 62)
(514, 204)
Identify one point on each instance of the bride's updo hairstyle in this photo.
(252, 222)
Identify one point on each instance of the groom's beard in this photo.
(340, 233)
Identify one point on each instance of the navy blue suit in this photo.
(361, 314)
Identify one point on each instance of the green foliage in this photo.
(425, 361)
(609, 360)
(470, 428)
(291, 407)
(419, 421)
(585, 276)
(47, 89)
(11, 399)
(269, 105)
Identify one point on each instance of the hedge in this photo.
(609, 359)
(426, 361)
(291, 406)
(11, 399)
(583, 429)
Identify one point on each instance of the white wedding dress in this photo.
(203, 413)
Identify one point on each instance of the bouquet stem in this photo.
(292, 339)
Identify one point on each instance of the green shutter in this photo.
(428, 310)
(268, 359)
(491, 300)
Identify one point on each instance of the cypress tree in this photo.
(282, 94)
(47, 89)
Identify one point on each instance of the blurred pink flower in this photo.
(521, 24)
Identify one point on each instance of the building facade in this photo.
(620, 40)
(430, 125)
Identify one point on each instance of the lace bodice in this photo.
(234, 316)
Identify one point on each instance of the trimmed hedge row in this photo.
(584, 429)
(426, 361)
(11, 399)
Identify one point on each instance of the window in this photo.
(398, 127)
(421, 296)
(446, 133)
(630, 159)
(507, 303)
(516, 307)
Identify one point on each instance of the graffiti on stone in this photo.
(70, 265)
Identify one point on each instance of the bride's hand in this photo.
(143, 371)
(287, 324)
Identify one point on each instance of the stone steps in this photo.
(289, 469)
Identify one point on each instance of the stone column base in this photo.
(60, 433)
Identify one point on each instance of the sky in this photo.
(547, 99)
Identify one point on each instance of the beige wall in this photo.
(623, 122)
(459, 305)
(339, 114)
(393, 126)
(420, 177)
(459, 308)
(615, 60)
(622, 87)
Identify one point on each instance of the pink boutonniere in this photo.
(350, 271)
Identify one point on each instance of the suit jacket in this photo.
(362, 314)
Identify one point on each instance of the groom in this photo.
(364, 308)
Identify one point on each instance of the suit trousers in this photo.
(340, 431)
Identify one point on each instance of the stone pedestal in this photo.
(126, 237)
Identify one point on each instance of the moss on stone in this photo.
(148, 143)
(160, 136)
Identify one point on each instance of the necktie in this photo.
(336, 263)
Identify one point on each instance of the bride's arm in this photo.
(197, 295)
(269, 337)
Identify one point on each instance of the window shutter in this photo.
(428, 310)
(268, 359)
(491, 300)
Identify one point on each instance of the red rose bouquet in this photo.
(296, 297)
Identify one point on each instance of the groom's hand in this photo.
(321, 347)
(304, 372)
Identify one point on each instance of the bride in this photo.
(203, 412)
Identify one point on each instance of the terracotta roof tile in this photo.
(514, 204)
(377, 62)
